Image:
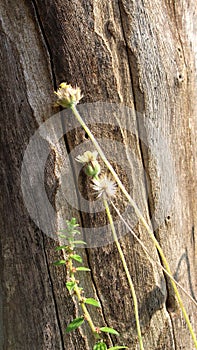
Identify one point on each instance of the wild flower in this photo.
(89, 159)
(67, 95)
(104, 186)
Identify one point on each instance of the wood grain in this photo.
(138, 54)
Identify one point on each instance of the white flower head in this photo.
(87, 157)
(92, 167)
(67, 95)
(104, 186)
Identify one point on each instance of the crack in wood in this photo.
(97, 294)
(139, 103)
(53, 294)
(45, 41)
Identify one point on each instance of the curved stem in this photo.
(127, 273)
(139, 215)
(149, 257)
(80, 299)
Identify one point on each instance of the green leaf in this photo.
(77, 322)
(109, 330)
(76, 231)
(59, 262)
(72, 222)
(118, 347)
(62, 236)
(61, 247)
(76, 257)
(82, 268)
(70, 285)
(92, 301)
(100, 346)
(79, 242)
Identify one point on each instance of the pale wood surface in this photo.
(140, 54)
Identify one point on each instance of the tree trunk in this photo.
(136, 54)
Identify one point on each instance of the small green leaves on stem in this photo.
(59, 262)
(69, 232)
(77, 322)
(109, 330)
(61, 247)
(62, 236)
(70, 285)
(92, 301)
(79, 242)
(76, 257)
(82, 268)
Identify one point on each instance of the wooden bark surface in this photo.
(140, 54)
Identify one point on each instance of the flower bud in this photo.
(100, 346)
(92, 169)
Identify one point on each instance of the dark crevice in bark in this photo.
(53, 294)
(170, 291)
(67, 146)
(45, 41)
(178, 32)
(173, 332)
(68, 150)
(139, 105)
(97, 294)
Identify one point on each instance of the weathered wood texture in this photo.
(140, 54)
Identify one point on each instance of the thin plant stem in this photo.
(139, 215)
(77, 292)
(126, 271)
(110, 168)
(150, 258)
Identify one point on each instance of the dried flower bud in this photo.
(67, 95)
(97, 330)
